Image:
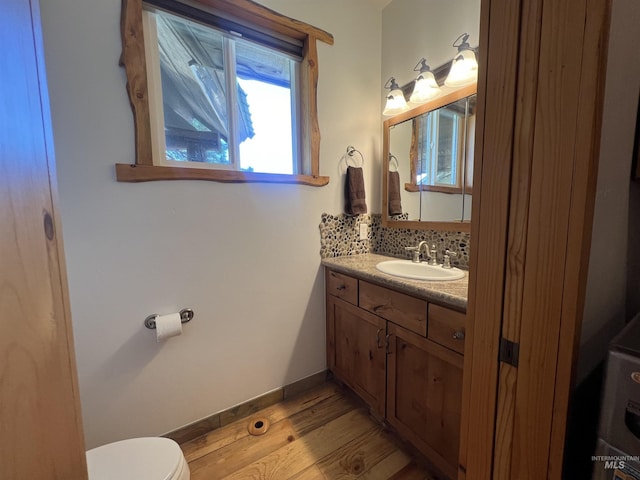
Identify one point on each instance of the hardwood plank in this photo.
(220, 438)
(304, 385)
(195, 430)
(388, 466)
(319, 436)
(248, 449)
(298, 455)
(314, 472)
(410, 472)
(249, 408)
(357, 457)
(242, 452)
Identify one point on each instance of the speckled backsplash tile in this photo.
(394, 240)
(339, 236)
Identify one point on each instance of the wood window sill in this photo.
(148, 173)
(412, 187)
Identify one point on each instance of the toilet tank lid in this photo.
(149, 458)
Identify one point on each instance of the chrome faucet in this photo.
(446, 258)
(417, 250)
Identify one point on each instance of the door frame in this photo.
(543, 65)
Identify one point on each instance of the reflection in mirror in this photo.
(433, 148)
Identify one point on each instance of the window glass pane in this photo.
(193, 91)
(439, 137)
(264, 110)
(447, 148)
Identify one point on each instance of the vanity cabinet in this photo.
(403, 356)
(357, 345)
(424, 396)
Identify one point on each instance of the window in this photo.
(439, 147)
(231, 93)
(440, 139)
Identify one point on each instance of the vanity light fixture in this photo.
(464, 67)
(395, 100)
(425, 87)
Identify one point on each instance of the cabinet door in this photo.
(355, 348)
(424, 396)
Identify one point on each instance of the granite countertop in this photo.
(452, 293)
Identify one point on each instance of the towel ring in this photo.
(350, 152)
(393, 161)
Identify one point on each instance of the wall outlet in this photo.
(364, 231)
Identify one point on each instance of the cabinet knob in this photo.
(378, 338)
(458, 335)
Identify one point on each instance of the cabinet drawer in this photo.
(404, 310)
(342, 286)
(447, 327)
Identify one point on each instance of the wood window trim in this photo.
(134, 62)
(413, 187)
(413, 158)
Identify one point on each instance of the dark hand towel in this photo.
(395, 204)
(354, 202)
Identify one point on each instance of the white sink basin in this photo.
(419, 271)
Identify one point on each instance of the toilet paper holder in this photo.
(186, 314)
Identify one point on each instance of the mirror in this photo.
(431, 149)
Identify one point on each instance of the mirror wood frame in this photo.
(434, 104)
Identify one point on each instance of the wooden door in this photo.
(540, 99)
(424, 396)
(40, 424)
(358, 355)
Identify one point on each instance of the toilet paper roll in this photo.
(168, 326)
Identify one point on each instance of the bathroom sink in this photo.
(419, 271)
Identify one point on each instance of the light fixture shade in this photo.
(395, 100)
(395, 103)
(464, 69)
(425, 88)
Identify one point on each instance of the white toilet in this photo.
(151, 458)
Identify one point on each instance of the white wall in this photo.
(441, 207)
(412, 29)
(604, 311)
(244, 257)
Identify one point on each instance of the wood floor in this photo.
(322, 434)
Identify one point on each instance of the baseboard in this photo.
(220, 419)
